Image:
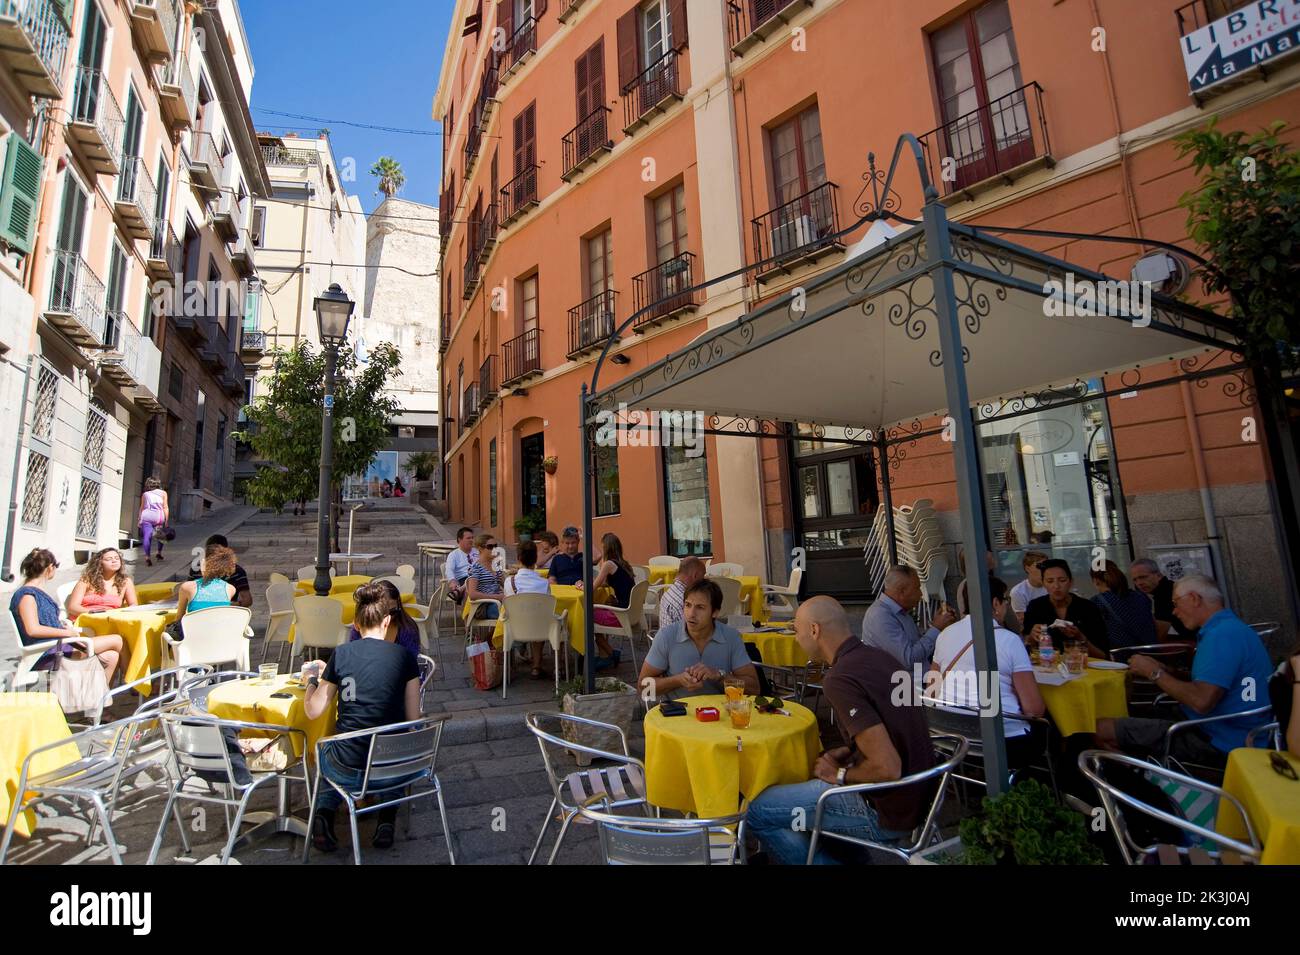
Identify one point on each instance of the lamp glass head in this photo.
(333, 310)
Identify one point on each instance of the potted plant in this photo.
(1023, 826)
(613, 702)
(526, 525)
(423, 463)
(550, 463)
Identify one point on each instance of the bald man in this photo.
(883, 742)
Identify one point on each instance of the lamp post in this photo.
(333, 309)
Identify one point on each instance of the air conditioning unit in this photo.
(792, 235)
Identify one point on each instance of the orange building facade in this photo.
(600, 156)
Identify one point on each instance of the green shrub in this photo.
(1026, 826)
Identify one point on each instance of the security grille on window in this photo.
(92, 462)
(36, 488)
(47, 395)
(88, 509)
(35, 493)
(96, 431)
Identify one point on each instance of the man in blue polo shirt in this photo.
(567, 566)
(690, 657)
(1230, 674)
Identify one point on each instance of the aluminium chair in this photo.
(1271, 732)
(637, 840)
(428, 667)
(949, 720)
(1260, 714)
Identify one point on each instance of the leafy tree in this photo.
(391, 177)
(285, 420)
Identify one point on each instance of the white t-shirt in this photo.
(530, 582)
(1024, 592)
(959, 685)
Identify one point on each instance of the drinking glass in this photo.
(741, 710)
(267, 672)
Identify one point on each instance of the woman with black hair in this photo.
(1083, 621)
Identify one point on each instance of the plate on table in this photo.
(1107, 665)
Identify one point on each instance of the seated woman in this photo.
(528, 581)
(615, 572)
(402, 630)
(211, 589)
(36, 614)
(1083, 619)
(954, 661)
(482, 580)
(104, 585)
(385, 684)
(548, 545)
(1129, 614)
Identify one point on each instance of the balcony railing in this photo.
(519, 195)
(664, 289)
(34, 43)
(657, 86)
(798, 230)
(277, 155)
(518, 49)
(469, 405)
(207, 168)
(485, 232)
(253, 342)
(488, 385)
(154, 23)
(444, 331)
(137, 198)
(522, 356)
(592, 322)
(473, 140)
(583, 144)
(470, 272)
(486, 98)
(991, 143)
(176, 90)
(568, 9)
(77, 300)
(96, 125)
(750, 22)
(216, 351)
(166, 257)
(1201, 13)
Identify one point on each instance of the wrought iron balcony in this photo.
(469, 405)
(177, 94)
(154, 24)
(991, 145)
(750, 22)
(34, 45)
(798, 231)
(586, 142)
(470, 272)
(656, 88)
(488, 385)
(166, 257)
(485, 100)
(195, 329)
(522, 357)
(485, 232)
(444, 331)
(252, 345)
(592, 322)
(207, 168)
(519, 195)
(274, 154)
(473, 140)
(96, 125)
(215, 352)
(1201, 13)
(137, 198)
(131, 360)
(77, 300)
(518, 49)
(568, 10)
(664, 289)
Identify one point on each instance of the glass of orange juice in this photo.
(741, 710)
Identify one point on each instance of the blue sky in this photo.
(369, 62)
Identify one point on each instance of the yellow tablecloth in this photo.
(344, 584)
(566, 598)
(148, 593)
(752, 587)
(1075, 706)
(695, 767)
(1271, 800)
(141, 632)
(662, 575)
(778, 649)
(349, 607)
(27, 721)
(251, 702)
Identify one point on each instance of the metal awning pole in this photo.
(970, 494)
(888, 496)
(588, 599)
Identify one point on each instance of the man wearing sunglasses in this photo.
(1230, 674)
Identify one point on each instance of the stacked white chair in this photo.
(918, 542)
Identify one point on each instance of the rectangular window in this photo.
(528, 304)
(686, 503)
(259, 226)
(670, 224)
(606, 482)
(176, 382)
(600, 264)
(492, 483)
(35, 490)
(656, 32)
(797, 163)
(113, 298)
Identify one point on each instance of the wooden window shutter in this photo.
(521, 144)
(530, 133)
(677, 14)
(20, 190)
(580, 79)
(539, 7)
(629, 47)
(505, 10)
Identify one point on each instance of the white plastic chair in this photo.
(640, 572)
(279, 621)
(279, 579)
(484, 623)
(26, 656)
(308, 573)
(787, 597)
(405, 570)
(732, 602)
(426, 618)
(404, 585)
(725, 569)
(631, 619)
(666, 560)
(213, 636)
(531, 618)
(318, 623)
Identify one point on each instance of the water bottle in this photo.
(1046, 651)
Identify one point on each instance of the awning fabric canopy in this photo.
(859, 345)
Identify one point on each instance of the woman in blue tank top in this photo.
(210, 590)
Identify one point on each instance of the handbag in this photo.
(168, 533)
(80, 685)
(487, 664)
(268, 755)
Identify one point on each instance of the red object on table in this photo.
(706, 714)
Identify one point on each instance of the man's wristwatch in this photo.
(1155, 677)
(314, 680)
(840, 775)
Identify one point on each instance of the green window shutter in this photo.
(20, 189)
(65, 9)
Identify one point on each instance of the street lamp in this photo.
(333, 309)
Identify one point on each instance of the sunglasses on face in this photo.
(1282, 766)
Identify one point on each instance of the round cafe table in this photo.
(141, 630)
(1076, 705)
(29, 721)
(343, 584)
(697, 767)
(661, 574)
(149, 593)
(1271, 800)
(252, 702)
(779, 649)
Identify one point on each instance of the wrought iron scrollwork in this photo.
(1033, 400)
(876, 205)
(745, 426)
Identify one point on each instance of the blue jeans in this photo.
(328, 799)
(785, 832)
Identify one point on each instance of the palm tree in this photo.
(391, 177)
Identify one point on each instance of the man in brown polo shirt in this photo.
(883, 742)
